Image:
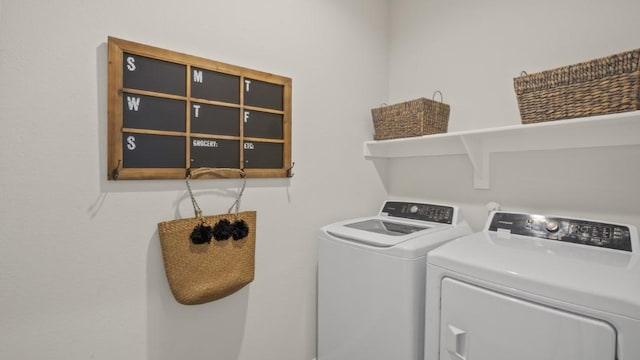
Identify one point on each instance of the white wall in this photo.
(471, 51)
(80, 267)
(81, 275)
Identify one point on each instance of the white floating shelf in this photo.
(596, 131)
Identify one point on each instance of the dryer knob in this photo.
(552, 226)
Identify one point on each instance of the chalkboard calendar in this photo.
(170, 112)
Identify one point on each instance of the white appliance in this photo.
(533, 287)
(371, 280)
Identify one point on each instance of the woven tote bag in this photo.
(209, 257)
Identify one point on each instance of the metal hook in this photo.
(289, 172)
(115, 173)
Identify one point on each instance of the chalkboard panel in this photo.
(144, 73)
(215, 153)
(262, 125)
(153, 151)
(262, 155)
(150, 112)
(212, 85)
(213, 119)
(169, 111)
(263, 94)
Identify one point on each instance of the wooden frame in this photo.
(265, 140)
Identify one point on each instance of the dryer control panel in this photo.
(585, 232)
(417, 211)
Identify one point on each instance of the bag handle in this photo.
(199, 171)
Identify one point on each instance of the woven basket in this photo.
(412, 118)
(200, 273)
(597, 87)
(207, 270)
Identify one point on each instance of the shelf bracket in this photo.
(479, 158)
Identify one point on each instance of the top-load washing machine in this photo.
(371, 280)
(533, 287)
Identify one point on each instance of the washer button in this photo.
(552, 226)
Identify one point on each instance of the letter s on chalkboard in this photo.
(131, 142)
(131, 63)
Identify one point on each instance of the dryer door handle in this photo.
(456, 341)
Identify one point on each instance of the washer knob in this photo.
(413, 209)
(552, 226)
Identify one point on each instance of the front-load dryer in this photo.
(371, 280)
(533, 287)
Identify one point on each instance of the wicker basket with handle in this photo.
(412, 118)
(597, 87)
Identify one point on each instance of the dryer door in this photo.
(479, 324)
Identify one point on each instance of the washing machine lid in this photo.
(397, 222)
(380, 231)
(386, 227)
(590, 276)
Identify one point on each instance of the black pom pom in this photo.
(239, 229)
(222, 230)
(201, 234)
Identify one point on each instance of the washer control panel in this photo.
(577, 231)
(417, 211)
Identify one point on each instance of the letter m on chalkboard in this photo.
(197, 76)
(133, 102)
